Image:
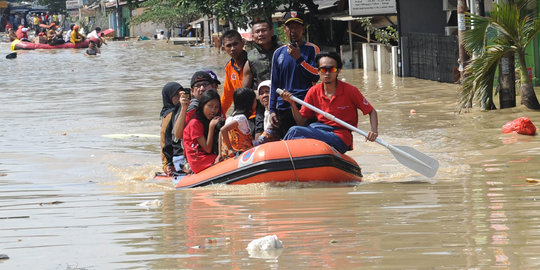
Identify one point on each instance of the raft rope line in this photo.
(292, 161)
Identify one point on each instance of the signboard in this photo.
(73, 13)
(372, 7)
(3, 4)
(72, 4)
(112, 3)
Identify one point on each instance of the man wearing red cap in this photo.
(293, 69)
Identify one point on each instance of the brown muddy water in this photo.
(73, 189)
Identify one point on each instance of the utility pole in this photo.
(118, 18)
(462, 27)
(206, 29)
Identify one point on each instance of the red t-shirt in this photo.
(197, 158)
(343, 105)
(189, 115)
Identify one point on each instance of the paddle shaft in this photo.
(329, 116)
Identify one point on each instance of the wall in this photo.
(418, 16)
(148, 29)
(421, 16)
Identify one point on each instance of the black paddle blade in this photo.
(11, 55)
(415, 160)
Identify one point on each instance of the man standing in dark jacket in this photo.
(259, 65)
(293, 69)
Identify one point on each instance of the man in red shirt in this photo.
(335, 97)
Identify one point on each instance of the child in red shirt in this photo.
(198, 136)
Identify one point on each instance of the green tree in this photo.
(511, 27)
(385, 36)
(239, 12)
(54, 5)
(170, 13)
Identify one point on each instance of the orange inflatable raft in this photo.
(23, 45)
(302, 160)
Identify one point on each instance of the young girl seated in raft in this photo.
(235, 135)
(198, 134)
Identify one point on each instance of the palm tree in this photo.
(511, 27)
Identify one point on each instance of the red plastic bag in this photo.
(522, 125)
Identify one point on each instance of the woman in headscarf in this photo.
(171, 148)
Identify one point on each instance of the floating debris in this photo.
(218, 240)
(268, 247)
(55, 202)
(532, 180)
(266, 243)
(15, 217)
(150, 204)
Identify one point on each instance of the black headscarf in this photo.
(169, 90)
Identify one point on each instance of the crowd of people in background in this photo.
(52, 34)
(197, 130)
(30, 20)
(47, 30)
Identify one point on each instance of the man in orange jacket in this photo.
(233, 44)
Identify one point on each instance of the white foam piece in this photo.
(269, 242)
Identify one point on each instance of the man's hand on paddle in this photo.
(274, 120)
(371, 136)
(298, 118)
(374, 121)
(286, 95)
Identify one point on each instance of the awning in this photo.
(18, 10)
(344, 18)
(200, 20)
(376, 21)
(246, 34)
(324, 4)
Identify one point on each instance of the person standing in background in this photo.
(259, 60)
(293, 69)
(233, 43)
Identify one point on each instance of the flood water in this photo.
(72, 178)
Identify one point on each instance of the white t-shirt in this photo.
(243, 124)
(266, 119)
(93, 34)
(68, 36)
